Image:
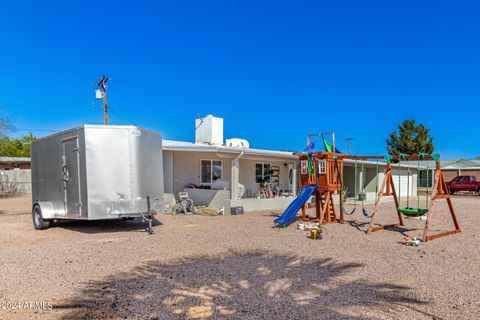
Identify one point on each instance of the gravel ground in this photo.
(238, 267)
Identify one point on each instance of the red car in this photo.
(463, 183)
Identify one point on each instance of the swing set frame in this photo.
(439, 191)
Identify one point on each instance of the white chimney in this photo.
(209, 130)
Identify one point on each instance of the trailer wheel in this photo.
(38, 222)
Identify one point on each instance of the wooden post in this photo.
(440, 191)
(394, 192)
(430, 207)
(103, 87)
(377, 203)
(332, 204)
(342, 215)
(322, 211)
(340, 180)
(327, 207)
(387, 184)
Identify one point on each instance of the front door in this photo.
(71, 175)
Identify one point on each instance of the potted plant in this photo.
(345, 194)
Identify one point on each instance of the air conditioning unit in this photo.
(237, 143)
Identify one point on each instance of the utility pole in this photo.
(102, 85)
(349, 139)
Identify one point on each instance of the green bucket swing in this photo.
(413, 212)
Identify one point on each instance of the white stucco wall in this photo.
(371, 182)
(183, 168)
(247, 173)
(168, 171)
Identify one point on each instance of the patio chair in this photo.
(185, 205)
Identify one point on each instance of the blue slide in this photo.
(296, 204)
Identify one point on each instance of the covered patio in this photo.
(227, 177)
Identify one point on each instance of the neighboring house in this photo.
(14, 163)
(15, 175)
(461, 167)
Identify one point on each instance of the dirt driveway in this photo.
(236, 267)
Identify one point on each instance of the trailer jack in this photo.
(148, 217)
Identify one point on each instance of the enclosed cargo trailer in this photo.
(96, 172)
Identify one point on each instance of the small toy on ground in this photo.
(316, 233)
(411, 241)
(306, 225)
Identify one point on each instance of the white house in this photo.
(227, 175)
(230, 174)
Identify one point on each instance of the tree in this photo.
(15, 147)
(411, 139)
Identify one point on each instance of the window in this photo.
(262, 172)
(303, 166)
(457, 179)
(426, 179)
(322, 166)
(210, 170)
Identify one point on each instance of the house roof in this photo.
(461, 164)
(172, 145)
(14, 159)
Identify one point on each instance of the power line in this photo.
(34, 130)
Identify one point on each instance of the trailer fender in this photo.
(48, 210)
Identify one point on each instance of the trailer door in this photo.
(71, 174)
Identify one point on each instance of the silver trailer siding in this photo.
(97, 172)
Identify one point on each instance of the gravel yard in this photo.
(238, 267)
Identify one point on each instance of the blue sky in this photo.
(274, 70)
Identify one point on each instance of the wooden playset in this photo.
(323, 171)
